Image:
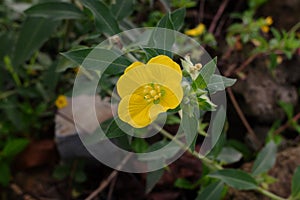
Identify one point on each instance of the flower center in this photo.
(152, 93)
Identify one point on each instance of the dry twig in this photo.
(286, 125)
(108, 180)
(217, 16)
(243, 118)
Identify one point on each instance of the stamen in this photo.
(157, 88)
(153, 93)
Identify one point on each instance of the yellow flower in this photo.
(61, 101)
(269, 21)
(196, 31)
(147, 90)
(265, 29)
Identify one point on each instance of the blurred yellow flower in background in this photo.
(196, 31)
(265, 29)
(61, 101)
(269, 20)
(146, 90)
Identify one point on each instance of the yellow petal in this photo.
(132, 80)
(269, 20)
(166, 77)
(133, 65)
(137, 112)
(196, 31)
(265, 29)
(191, 32)
(147, 74)
(166, 61)
(171, 98)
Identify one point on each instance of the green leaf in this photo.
(139, 145)
(55, 11)
(61, 172)
(4, 174)
(229, 155)
(114, 130)
(163, 37)
(296, 126)
(152, 178)
(99, 59)
(212, 192)
(167, 152)
(177, 17)
(105, 20)
(205, 104)
(288, 109)
(7, 44)
(190, 128)
(184, 184)
(296, 184)
(13, 113)
(219, 83)
(34, 32)
(77, 55)
(13, 147)
(117, 66)
(273, 59)
(218, 125)
(166, 22)
(274, 137)
(50, 79)
(265, 159)
(254, 4)
(241, 147)
(235, 178)
(205, 74)
(122, 9)
(80, 176)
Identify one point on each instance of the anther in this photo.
(153, 93)
(157, 88)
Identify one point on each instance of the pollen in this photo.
(152, 93)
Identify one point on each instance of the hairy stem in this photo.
(210, 163)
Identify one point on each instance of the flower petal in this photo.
(166, 61)
(133, 65)
(135, 111)
(133, 79)
(147, 74)
(171, 98)
(166, 77)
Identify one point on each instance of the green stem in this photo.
(7, 94)
(269, 194)
(294, 28)
(10, 69)
(210, 163)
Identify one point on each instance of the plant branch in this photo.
(201, 11)
(269, 194)
(217, 16)
(204, 159)
(109, 179)
(242, 117)
(287, 124)
(246, 63)
(210, 163)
